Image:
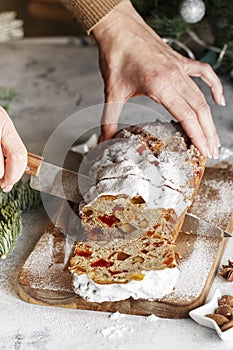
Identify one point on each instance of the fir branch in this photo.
(12, 205)
(168, 27)
(9, 232)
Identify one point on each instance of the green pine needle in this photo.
(12, 205)
(168, 27)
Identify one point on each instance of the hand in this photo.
(13, 154)
(134, 61)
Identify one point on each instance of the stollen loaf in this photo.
(146, 179)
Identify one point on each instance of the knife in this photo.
(69, 185)
(193, 224)
(57, 181)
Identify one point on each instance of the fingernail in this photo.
(209, 153)
(218, 142)
(7, 188)
(223, 101)
(216, 152)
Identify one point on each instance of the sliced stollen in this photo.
(145, 181)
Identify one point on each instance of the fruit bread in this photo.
(146, 179)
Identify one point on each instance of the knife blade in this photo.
(193, 224)
(57, 181)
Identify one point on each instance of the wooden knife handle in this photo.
(34, 164)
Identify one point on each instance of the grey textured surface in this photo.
(54, 81)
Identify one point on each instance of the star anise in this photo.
(227, 271)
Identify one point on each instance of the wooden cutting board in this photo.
(45, 279)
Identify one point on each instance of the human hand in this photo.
(13, 154)
(135, 61)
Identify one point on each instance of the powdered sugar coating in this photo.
(130, 185)
(128, 166)
(154, 285)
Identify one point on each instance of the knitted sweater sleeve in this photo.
(90, 12)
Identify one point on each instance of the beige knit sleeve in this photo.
(90, 12)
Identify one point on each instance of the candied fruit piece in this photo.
(101, 263)
(109, 220)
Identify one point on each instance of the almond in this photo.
(127, 228)
(224, 310)
(219, 319)
(227, 325)
(138, 259)
(226, 300)
(143, 224)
